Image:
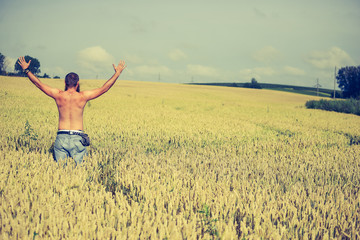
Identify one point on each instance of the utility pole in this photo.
(334, 81)
(317, 86)
(159, 77)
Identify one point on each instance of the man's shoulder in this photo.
(82, 93)
(56, 91)
(60, 92)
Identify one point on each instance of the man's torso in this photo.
(71, 107)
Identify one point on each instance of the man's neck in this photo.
(72, 89)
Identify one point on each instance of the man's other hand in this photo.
(24, 65)
(119, 68)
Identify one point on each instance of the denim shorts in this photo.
(67, 145)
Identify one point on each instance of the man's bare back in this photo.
(71, 105)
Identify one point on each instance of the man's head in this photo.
(71, 81)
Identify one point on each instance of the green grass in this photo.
(351, 106)
(305, 92)
(311, 91)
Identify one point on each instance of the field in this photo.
(171, 161)
(312, 91)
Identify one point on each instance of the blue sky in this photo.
(287, 42)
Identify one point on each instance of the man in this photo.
(71, 141)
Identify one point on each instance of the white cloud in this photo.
(176, 55)
(267, 54)
(95, 59)
(258, 73)
(293, 71)
(201, 70)
(9, 64)
(329, 59)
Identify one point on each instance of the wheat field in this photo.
(171, 161)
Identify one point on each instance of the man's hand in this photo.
(24, 65)
(120, 67)
(92, 94)
(51, 92)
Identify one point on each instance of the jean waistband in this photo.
(70, 132)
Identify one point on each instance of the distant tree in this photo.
(45, 76)
(348, 79)
(255, 84)
(34, 66)
(11, 74)
(2, 64)
(252, 84)
(56, 77)
(247, 85)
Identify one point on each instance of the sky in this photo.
(279, 41)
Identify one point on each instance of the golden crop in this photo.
(171, 161)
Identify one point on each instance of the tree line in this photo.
(34, 67)
(348, 79)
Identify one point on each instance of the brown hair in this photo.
(71, 80)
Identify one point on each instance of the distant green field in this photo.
(306, 92)
(280, 87)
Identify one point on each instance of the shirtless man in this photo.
(70, 103)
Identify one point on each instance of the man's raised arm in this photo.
(89, 95)
(51, 92)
